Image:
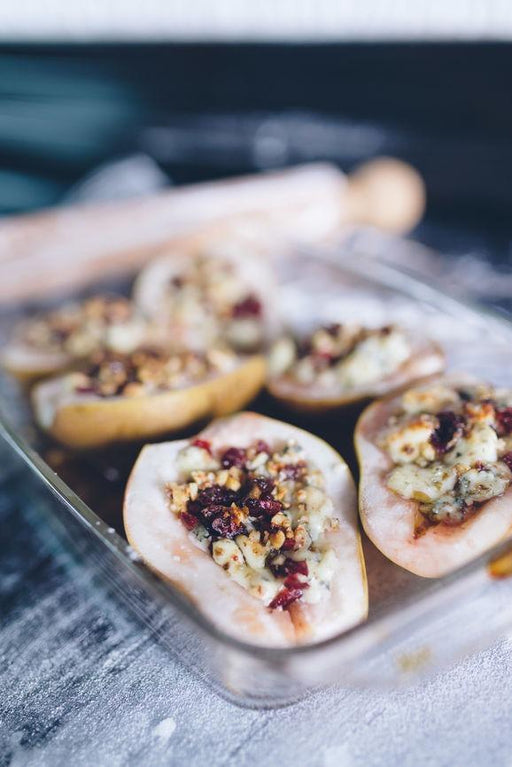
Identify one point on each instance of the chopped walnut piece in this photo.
(277, 539)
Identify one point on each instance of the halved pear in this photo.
(28, 357)
(390, 521)
(426, 359)
(164, 544)
(28, 364)
(85, 420)
(250, 270)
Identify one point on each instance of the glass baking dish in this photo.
(415, 625)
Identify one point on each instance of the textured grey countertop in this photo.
(82, 684)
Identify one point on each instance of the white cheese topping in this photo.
(422, 484)
(373, 359)
(431, 399)
(273, 554)
(410, 443)
(450, 449)
(481, 444)
(341, 357)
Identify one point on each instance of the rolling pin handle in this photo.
(386, 193)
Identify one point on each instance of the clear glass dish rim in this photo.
(360, 638)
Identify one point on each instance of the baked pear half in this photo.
(215, 290)
(255, 521)
(339, 365)
(54, 340)
(144, 394)
(436, 476)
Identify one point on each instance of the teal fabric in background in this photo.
(444, 107)
(59, 117)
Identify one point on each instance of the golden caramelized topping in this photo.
(148, 371)
(341, 356)
(451, 449)
(262, 513)
(78, 329)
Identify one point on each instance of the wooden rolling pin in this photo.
(67, 248)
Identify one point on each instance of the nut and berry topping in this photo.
(211, 298)
(451, 449)
(340, 357)
(78, 329)
(148, 371)
(262, 513)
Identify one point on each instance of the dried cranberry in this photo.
(289, 544)
(333, 329)
(249, 307)
(265, 484)
(303, 347)
(148, 352)
(85, 389)
(284, 598)
(451, 427)
(212, 508)
(92, 371)
(188, 520)
(504, 420)
(234, 456)
(226, 526)
(294, 582)
(60, 334)
(298, 567)
(253, 504)
(262, 447)
(213, 511)
(203, 444)
(194, 508)
(264, 505)
(216, 494)
(507, 459)
(324, 359)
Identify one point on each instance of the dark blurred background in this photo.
(209, 110)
